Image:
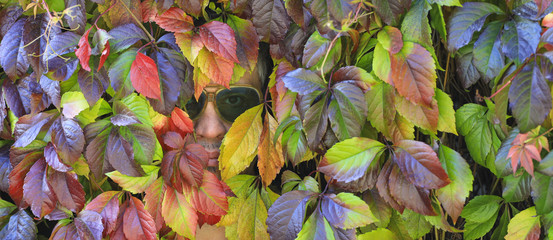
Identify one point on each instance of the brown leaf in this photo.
(107, 205)
(409, 195)
(68, 190)
(137, 222)
(36, 191)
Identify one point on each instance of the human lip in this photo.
(213, 159)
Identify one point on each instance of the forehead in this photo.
(248, 78)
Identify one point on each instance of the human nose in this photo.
(209, 125)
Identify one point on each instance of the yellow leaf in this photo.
(239, 146)
(135, 184)
(270, 159)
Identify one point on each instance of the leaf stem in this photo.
(139, 23)
(508, 82)
(102, 14)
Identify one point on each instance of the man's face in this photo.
(210, 127)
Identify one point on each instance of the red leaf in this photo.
(210, 198)
(413, 74)
(173, 140)
(107, 205)
(36, 191)
(144, 76)
(149, 10)
(83, 52)
(17, 178)
(219, 38)
(420, 164)
(89, 225)
(118, 233)
(383, 187)
(68, 190)
(409, 195)
(53, 160)
(192, 167)
(175, 20)
(137, 222)
(180, 122)
(104, 56)
(153, 200)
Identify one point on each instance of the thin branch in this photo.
(139, 23)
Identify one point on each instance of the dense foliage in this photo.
(382, 119)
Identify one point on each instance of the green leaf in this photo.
(348, 110)
(530, 98)
(437, 21)
(381, 109)
(346, 211)
(89, 115)
(143, 141)
(480, 137)
(524, 225)
(481, 208)
(382, 67)
(466, 21)
(73, 103)
(391, 39)
(140, 107)
(487, 56)
(416, 28)
(417, 226)
(449, 3)
(474, 230)
(516, 189)
(119, 73)
(348, 160)
(251, 221)
(240, 143)
(453, 196)
(424, 117)
(501, 230)
(379, 233)
(446, 118)
(542, 194)
(135, 185)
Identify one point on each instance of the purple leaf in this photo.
(270, 20)
(5, 168)
(93, 84)
(53, 160)
(316, 121)
(390, 11)
(286, 215)
(467, 20)
(68, 231)
(36, 41)
(13, 99)
(96, 135)
(12, 55)
(68, 138)
(89, 225)
(119, 153)
(420, 164)
(123, 115)
(348, 111)
(8, 16)
(76, 17)
(36, 191)
(21, 226)
(520, 39)
(303, 81)
(530, 98)
(171, 72)
(29, 126)
(125, 36)
(61, 44)
(67, 189)
(52, 89)
(408, 195)
(119, 73)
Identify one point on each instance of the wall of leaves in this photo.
(401, 119)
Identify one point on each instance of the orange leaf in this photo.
(144, 76)
(180, 122)
(175, 20)
(178, 214)
(215, 67)
(270, 158)
(524, 153)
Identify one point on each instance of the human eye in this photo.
(233, 100)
